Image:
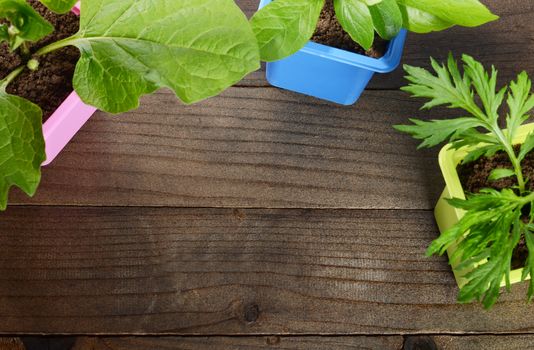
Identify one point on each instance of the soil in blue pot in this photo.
(329, 32)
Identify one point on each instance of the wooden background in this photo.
(258, 219)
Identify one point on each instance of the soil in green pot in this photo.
(51, 84)
(474, 177)
(329, 32)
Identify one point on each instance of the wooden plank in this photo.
(507, 43)
(487, 342)
(11, 344)
(242, 343)
(251, 147)
(263, 147)
(222, 271)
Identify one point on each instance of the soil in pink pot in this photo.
(51, 84)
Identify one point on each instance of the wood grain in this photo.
(222, 271)
(264, 147)
(487, 342)
(241, 343)
(250, 147)
(11, 344)
(130, 261)
(507, 43)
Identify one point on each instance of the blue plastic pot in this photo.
(332, 74)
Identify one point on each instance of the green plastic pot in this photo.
(446, 215)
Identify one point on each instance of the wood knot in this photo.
(239, 215)
(251, 313)
(419, 343)
(273, 340)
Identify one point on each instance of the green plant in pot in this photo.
(128, 48)
(284, 26)
(344, 53)
(488, 231)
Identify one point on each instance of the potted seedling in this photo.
(486, 212)
(351, 39)
(123, 49)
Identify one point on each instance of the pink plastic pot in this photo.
(66, 121)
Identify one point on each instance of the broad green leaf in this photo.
(387, 19)
(497, 174)
(21, 145)
(419, 21)
(467, 13)
(24, 20)
(526, 147)
(4, 34)
(285, 26)
(355, 17)
(371, 2)
(133, 47)
(59, 6)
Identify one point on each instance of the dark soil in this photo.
(51, 84)
(474, 177)
(329, 32)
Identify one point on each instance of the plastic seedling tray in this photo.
(66, 121)
(446, 215)
(329, 73)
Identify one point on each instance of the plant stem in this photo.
(528, 199)
(25, 50)
(509, 149)
(56, 46)
(10, 77)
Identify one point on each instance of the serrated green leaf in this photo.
(59, 6)
(485, 85)
(521, 99)
(285, 26)
(529, 266)
(446, 87)
(387, 19)
(419, 21)
(526, 147)
(484, 281)
(497, 174)
(488, 151)
(131, 48)
(468, 13)
(485, 238)
(520, 102)
(27, 22)
(355, 17)
(435, 132)
(472, 137)
(21, 145)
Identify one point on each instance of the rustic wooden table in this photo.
(278, 218)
